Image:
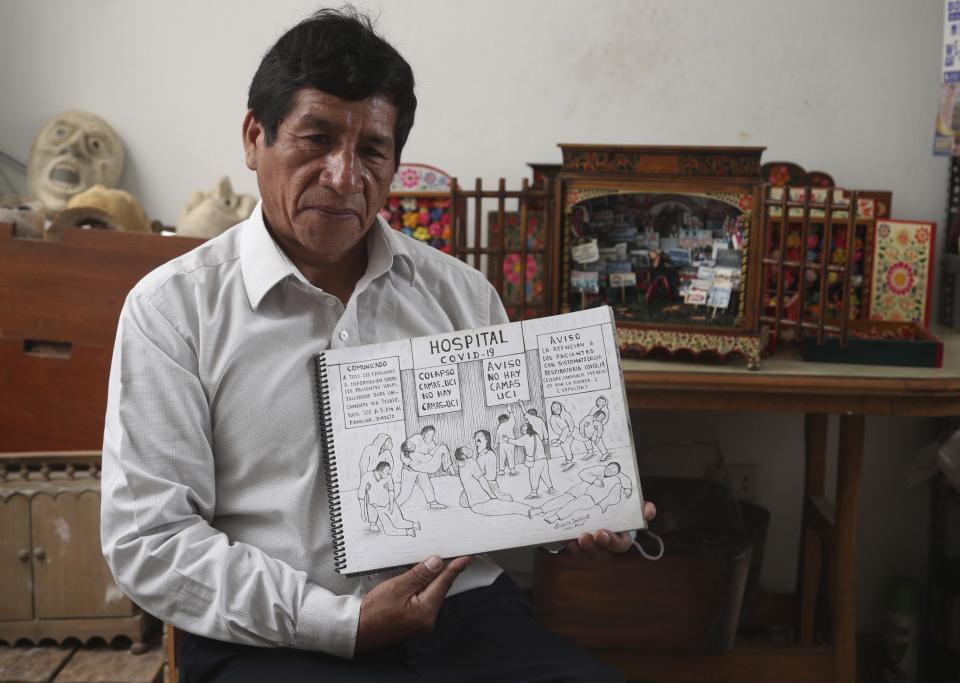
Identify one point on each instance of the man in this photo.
(378, 507)
(416, 471)
(539, 426)
(561, 424)
(506, 452)
(535, 458)
(600, 486)
(215, 516)
(432, 456)
(477, 493)
(487, 461)
(591, 433)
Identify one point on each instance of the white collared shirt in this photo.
(215, 512)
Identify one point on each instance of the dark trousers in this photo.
(487, 634)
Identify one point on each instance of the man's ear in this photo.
(253, 140)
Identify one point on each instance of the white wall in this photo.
(848, 87)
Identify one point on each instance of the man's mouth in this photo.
(335, 211)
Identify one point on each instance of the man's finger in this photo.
(589, 544)
(438, 588)
(422, 575)
(617, 543)
(649, 511)
(585, 543)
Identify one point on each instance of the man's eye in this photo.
(319, 139)
(372, 152)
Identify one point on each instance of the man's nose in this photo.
(341, 171)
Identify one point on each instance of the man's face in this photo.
(429, 435)
(327, 173)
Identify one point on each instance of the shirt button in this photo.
(331, 302)
(344, 335)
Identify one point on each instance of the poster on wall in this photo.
(951, 42)
(946, 139)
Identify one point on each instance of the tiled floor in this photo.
(71, 664)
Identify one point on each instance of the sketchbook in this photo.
(474, 441)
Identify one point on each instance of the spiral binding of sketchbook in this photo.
(330, 468)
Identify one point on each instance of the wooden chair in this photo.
(171, 638)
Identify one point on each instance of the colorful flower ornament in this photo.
(414, 207)
(900, 278)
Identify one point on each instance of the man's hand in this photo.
(601, 543)
(406, 605)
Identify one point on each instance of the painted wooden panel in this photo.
(71, 575)
(15, 577)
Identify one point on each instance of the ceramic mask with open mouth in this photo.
(73, 152)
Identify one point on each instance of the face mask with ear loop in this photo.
(555, 548)
(657, 539)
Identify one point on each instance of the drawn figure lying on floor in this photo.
(422, 456)
(378, 451)
(378, 506)
(600, 486)
(476, 489)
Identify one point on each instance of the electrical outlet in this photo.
(744, 480)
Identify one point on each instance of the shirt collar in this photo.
(388, 249)
(264, 264)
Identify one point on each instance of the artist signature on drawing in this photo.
(574, 522)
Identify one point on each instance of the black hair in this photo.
(486, 435)
(382, 465)
(336, 51)
(502, 417)
(460, 454)
(428, 428)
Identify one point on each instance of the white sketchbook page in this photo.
(564, 367)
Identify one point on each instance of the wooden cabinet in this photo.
(59, 305)
(54, 583)
(16, 575)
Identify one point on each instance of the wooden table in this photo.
(785, 384)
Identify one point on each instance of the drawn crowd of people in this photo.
(521, 438)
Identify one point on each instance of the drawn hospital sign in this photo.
(438, 390)
(436, 369)
(505, 379)
(573, 362)
(371, 392)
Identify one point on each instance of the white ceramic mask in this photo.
(73, 152)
